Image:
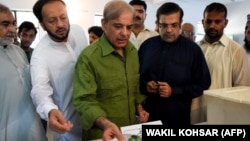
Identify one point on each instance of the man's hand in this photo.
(143, 115)
(110, 130)
(57, 122)
(164, 89)
(152, 87)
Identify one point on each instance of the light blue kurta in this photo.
(18, 118)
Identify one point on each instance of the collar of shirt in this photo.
(107, 48)
(224, 40)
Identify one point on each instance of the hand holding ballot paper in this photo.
(134, 132)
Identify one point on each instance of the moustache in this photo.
(137, 18)
(212, 30)
(11, 34)
(60, 29)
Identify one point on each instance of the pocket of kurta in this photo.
(110, 88)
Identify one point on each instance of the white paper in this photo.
(136, 129)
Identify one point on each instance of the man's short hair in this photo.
(169, 8)
(4, 9)
(97, 30)
(27, 25)
(215, 6)
(138, 2)
(37, 8)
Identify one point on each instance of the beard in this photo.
(58, 38)
(213, 34)
(6, 42)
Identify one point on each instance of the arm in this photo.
(42, 96)
(200, 77)
(110, 130)
(84, 93)
(42, 91)
(240, 68)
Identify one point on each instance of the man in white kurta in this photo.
(226, 59)
(52, 68)
(18, 118)
(139, 32)
(227, 63)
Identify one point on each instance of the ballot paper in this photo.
(136, 129)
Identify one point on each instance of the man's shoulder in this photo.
(151, 32)
(153, 39)
(90, 50)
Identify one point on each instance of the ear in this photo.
(181, 23)
(103, 22)
(226, 22)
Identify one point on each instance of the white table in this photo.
(228, 105)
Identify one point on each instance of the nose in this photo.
(125, 31)
(60, 22)
(169, 28)
(12, 28)
(212, 24)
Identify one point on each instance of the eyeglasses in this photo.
(185, 32)
(164, 25)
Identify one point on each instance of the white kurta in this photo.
(141, 37)
(18, 118)
(52, 68)
(227, 63)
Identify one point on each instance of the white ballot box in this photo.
(228, 105)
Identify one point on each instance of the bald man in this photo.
(198, 110)
(188, 30)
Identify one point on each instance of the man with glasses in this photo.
(198, 108)
(173, 70)
(188, 30)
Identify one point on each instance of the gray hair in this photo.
(4, 9)
(113, 9)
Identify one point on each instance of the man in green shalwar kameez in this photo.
(106, 81)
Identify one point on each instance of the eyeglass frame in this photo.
(185, 32)
(164, 25)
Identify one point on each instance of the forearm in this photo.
(103, 123)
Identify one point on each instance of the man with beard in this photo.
(226, 59)
(139, 32)
(18, 117)
(247, 40)
(52, 68)
(27, 34)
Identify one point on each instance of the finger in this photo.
(60, 128)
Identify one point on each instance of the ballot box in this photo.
(228, 105)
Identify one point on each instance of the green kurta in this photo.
(106, 84)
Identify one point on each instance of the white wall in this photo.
(82, 12)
